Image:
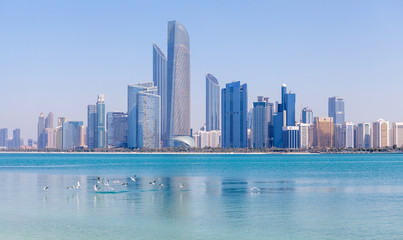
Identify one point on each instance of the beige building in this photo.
(81, 135)
(207, 138)
(397, 134)
(323, 132)
(380, 133)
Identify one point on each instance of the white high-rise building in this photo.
(348, 134)
(364, 135)
(304, 135)
(397, 134)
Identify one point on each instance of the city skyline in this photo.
(321, 64)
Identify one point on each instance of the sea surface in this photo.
(335, 196)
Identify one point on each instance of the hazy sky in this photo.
(58, 55)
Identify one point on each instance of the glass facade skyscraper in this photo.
(291, 137)
(212, 103)
(72, 134)
(100, 122)
(363, 135)
(261, 121)
(92, 119)
(160, 80)
(3, 137)
(17, 141)
(234, 109)
(290, 108)
(307, 116)
(144, 116)
(116, 123)
(178, 82)
(41, 131)
(149, 116)
(49, 120)
(285, 116)
(336, 109)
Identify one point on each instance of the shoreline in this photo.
(166, 153)
(202, 153)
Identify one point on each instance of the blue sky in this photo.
(58, 55)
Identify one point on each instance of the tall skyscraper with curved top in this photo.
(178, 82)
(212, 103)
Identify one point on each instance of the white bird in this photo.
(96, 188)
(116, 181)
(153, 182)
(99, 180)
(161, 185)
(78, 184)
(45, 188)
(181, 185)
(255, 189)
(133, 178)
(125, 184)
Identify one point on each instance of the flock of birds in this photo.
(104, 185)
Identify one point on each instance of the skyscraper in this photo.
(59, 132)
(49, 121)
(212, 103)
(307, 116)
(50, 137)
(17, 142)
(336, 109)
(41, 131)
(261, 121)
(348, 134)
(91, 129)
(160, 81)
(380, 133)
(278, 124)
(178, 82)
(397, 134)
(3, 137)
(144, 116)
(148, 121)
(100, 122)
(323, 132)
(364, 135)
(291, 137)
(304, 135)
(338, 138)
(285, 115)
(234, 108)
(73, 135)
(116, 123)
(290, 108)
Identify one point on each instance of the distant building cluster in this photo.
(158, 116)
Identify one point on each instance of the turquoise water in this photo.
(300, 197)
